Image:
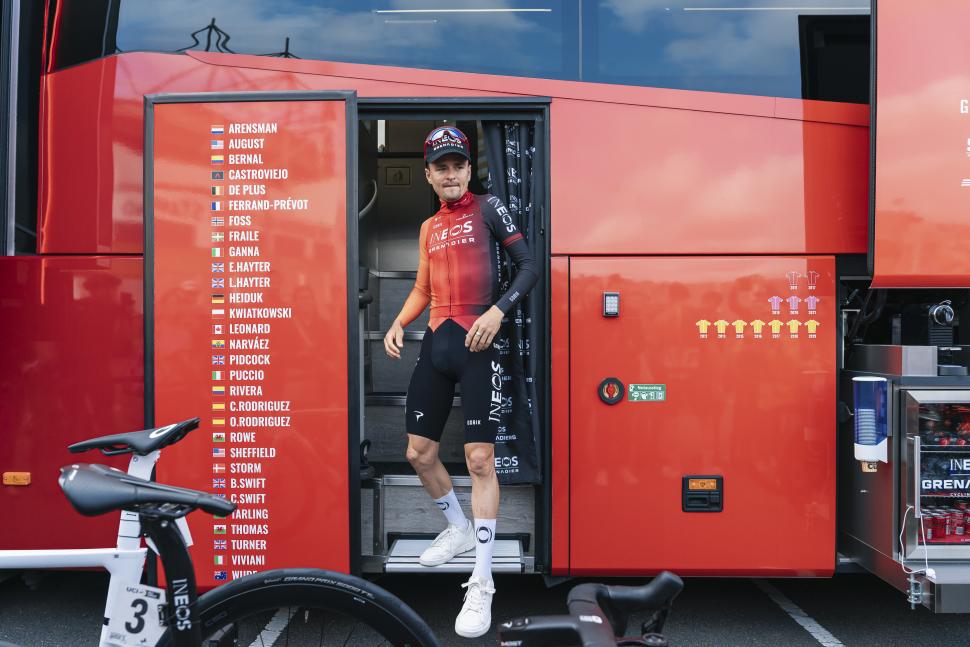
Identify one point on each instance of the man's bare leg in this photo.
(480, 458)
(422, 453)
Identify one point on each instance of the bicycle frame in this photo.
(124, 563)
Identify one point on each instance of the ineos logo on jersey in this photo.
(161, 431)
(506, 461)
(455, 230)
(418, 414)
(484, 535)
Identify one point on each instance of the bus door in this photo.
(250, 314)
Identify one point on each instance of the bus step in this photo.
(508, 557)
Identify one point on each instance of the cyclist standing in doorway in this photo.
(458, 274)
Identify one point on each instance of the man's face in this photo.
(449, 176)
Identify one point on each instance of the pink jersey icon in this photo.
(793, 277)
(775, 305)
(793, 302)
(812, 279)
(812, 303)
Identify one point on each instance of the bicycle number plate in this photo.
(136, 617)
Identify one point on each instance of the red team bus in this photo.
(738, 208)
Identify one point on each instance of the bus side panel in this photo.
(726, 375)
(70, 369)
(91, 175)
(659, 181)
(559, 320)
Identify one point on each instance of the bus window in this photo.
(520, 37)
(761, 47)
(737, 46)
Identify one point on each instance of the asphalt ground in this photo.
(65, 608)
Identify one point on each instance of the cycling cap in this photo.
(444, 140)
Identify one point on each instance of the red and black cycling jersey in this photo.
(460, 260)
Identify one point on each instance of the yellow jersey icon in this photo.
(757, 325)
(721, 326)
(812, 326)
(775, 326)
(703, 325)
(793, 326)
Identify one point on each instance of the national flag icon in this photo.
(218, 343)
(215, 144)
(218, 159)
(216, 206)
(218, 389)
(219, 483)
(217, 329)
(218, 468)
(216, 253)
(218, 422)
(217, 376)
(219, 267)
(218, 237)
(218, 283)
(219, 544)
(217, 221)
(219, 360)
(219, 560)
(219, 452)
(218, 298)
(218, 406)
(218, 190)
(218, 312)
(219, 529)
(220, 576)
(217, 129)
(217, 175)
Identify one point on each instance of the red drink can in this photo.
(959, 518)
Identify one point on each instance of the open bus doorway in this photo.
(397, 517)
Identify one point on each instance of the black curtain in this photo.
(511, 152)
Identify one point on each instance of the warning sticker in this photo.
(647, 392)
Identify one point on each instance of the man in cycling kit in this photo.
(458, 274)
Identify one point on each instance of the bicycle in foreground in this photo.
(292, 606)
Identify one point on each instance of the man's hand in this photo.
(484, 330)
(394, 340)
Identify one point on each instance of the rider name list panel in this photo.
(248, 254)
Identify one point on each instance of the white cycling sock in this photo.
(452, 509)
(484, 545)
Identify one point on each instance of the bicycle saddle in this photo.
(97, 489)
(618, 602)
(140, 442)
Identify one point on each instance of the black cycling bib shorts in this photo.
(444, 362)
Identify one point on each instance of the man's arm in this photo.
(499, 221)
(416, 302)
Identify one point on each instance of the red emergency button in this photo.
(611, 390)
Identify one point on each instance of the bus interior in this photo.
(397, 517)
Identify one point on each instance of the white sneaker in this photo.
(475, 618)
(452, 541)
